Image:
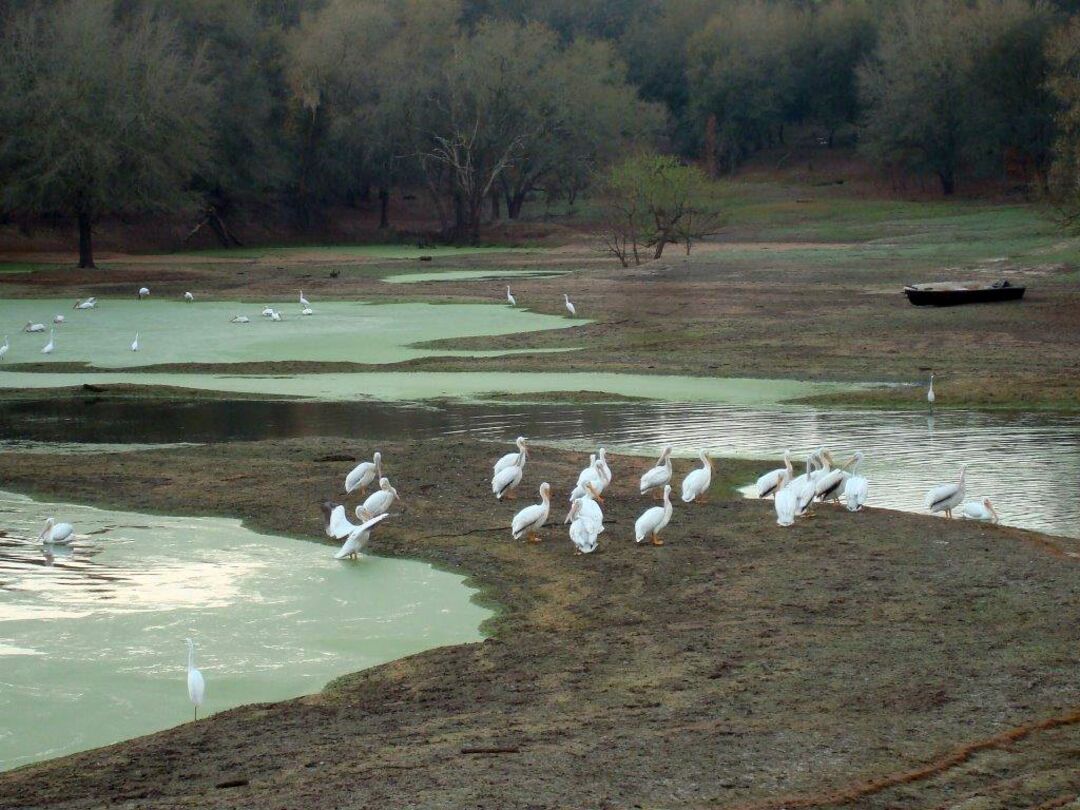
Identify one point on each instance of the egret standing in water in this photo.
(48, 347)
(510, 297)
(143, 293)
(196, 684)
(303, 301)
(569, 306)
(189, 297)
(135, 343)
(5, 347)
(930, 397)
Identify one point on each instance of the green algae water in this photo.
(202, 332)
(92, 637)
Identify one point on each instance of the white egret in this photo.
(307, 311)
(363, 474)
(267, 311)
(979, 510)
(275, 315)
(303, 301)
(48, 347)
(569, 306)
(530, 520)
(143, 292)
(58, 319)
(58, 534)
(4, 349)
(240, 319)
(653, 520)
(34, 327)
(196, 683)
(786, 503)
(697, 482)
(775, 480)
(510, 459)
(506, 480)
(189, 297)
(510, 297)
(857, 487)
(135, 343)
(660, 475)
(930, 397)
(584, 530)
(379, 501)
(946, 497)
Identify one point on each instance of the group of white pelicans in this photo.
(793, 496)
(144, 292)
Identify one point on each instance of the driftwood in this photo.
(211, 219)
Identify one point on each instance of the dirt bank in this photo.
(876, 659)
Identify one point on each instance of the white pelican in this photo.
(660, 475)
(59, 534)
(510, 459)
(775, 480)
(930, 392)
(267, 311)
(303, 301)
(143, 292)
(569, 306)
(857, 487)
(696, 483)
(786, 503)
(506, 480)
(4, 349)
(602, 455)
(48, 347)
(34, 327)
(946, 497)
(510, 297)
(378, 502)
(189, 297)
(979, 510)
(803, 486)
(89, 303)
(240, 319)
(135, 343)
(58, 319)
(588, 472)
(196, 683)
(584, 530)
(307, 311)
(830, 481)
(275, 315)
(530, 520)
(592, 476)
(340, 527)
(587, 506)
(363, 474)
(653, 520)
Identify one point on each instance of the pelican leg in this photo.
(656, 541)
(534, 537)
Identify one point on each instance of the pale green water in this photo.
(177, 332)
(329, 252)
(433, 385)
(91, 645)
(468, 275)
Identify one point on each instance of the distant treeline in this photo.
(111, 107)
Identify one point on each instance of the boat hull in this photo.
(953, 298)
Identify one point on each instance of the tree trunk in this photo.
(384, 206)
(496, 211)
(948, 182)
(659, 248)
(514, 203)
(86, 247)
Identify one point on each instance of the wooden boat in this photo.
(954, 293)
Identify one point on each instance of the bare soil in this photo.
(876, 660)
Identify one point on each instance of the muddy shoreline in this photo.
(740, 665)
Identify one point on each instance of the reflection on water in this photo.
(1028, 464)
(91, 636)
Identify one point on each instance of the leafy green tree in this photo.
(97, 117)
(1063, 54)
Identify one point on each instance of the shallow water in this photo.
(91, 641)
(175, 332)
(1028, 464)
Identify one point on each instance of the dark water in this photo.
(1028, 464)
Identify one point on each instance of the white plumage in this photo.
(930, 397)
(592, 476)
(697, 483)
(363, 474)
(379, 501)
(830, 480)
(587, 507)
(653, 520)
(143, 292)
(189, 297)
(48, 347)
(4, 348)
(135, 343)
(356, 537)
(786, 503)
(510, 459)
(775, 480)
(946, 497)
(303, 301)
(584, 528)
(34, 327)
(59, 319)
(241, 319)
(196, 684)
(510, 297)
(59, 534)
(507, 479)
(531, 519)
(660, 475)
(569, 306)
(856, 487)
(979, 510)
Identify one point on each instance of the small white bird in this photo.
(930, 392)
(307, 311)
(786, 504)
(510, 297)
(857, 487)
(506, 480)
(268, 311)
(569, 306)
(89, 303)
(240, 319)
(775, 480)
(143, 292)
(59, 534)
(189, 297)
(979, 510)
(58, 319)
(660, 475)
(510, 459)
(697, 482)
(275, 315)
(653, 520)
(584, 530)
(303, 301)
(5, 347)
(530, 520)
(196, 683)
(379, 501)
(363, 474)
(946, 497)
(48, 347)
(135, 343)
(34, 327)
